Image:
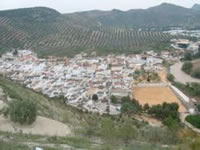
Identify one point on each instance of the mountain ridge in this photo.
(165, 14)
(31, 14)
(45, 29)
(196, 7)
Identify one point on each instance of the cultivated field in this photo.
(61, 37)
(156, 95)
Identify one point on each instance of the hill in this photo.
(164, 15)
(89, 130)
(196, 7)
(37, 14)
(51, 33)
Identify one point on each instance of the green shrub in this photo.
(113, 99)
(164, 111)
(198, 107)
(12, 146)
(95, 97)
(23, 112)
(188, 56)
(171, 123)
(191, 89)
(130, 105)
(187, 67)
(194, 120)
(170, 77)
(146, 107)
(196, 73)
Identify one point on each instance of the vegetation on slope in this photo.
(187, 67)
(190, 89)
(51, 33)
(115, 132)
(194, 120)
(62, 37)
(167, 112)
(159, 17)
(21, 111)
(191, 69)
(92, 131)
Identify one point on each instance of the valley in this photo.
(100, 80)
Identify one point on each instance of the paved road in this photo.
(181, 76)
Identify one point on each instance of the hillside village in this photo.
(99, 76)
(78, 79)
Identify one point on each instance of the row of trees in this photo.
(167, 112)
(66, 35)
(81, 37)
(129, 105)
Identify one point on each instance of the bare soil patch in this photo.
(196, 64)
(152, 121)
(156, 95)
(163, 75)
(42, 126)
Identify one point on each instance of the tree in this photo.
(170, 77)
(23, 112)
(188, 56)
(130, 105)
(108, 109)
(196, 73)
(198, 107)
(128, 108)
(165, 110)
(187, 67)
(15, 52)
(95, 97)
(113, 99)
(171, 123)
(146, 107)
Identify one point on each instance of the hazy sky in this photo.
(65, 6)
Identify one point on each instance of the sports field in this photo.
(156, 95)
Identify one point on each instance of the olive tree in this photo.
(22, 112)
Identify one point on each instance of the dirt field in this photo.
(42, 126)
(156, 95)
(163, 76)
(196, 64)
(152, 121)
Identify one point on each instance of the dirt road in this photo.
(181, 76)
